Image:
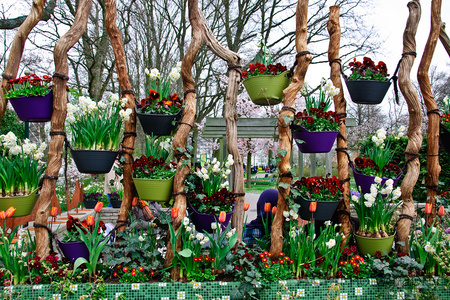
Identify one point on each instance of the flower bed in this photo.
(373, 288)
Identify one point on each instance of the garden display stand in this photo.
(158, 124)
(34, 108)
(313, 142)
(367, 91)
(267, 89)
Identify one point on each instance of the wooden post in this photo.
(445, 40)
(285, 136)
(340, 106)
(15, 54)
(414, 131)
(130, 125)
(202, 33)
(433, 167)
(60, 79)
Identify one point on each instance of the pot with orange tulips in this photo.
(318, 197)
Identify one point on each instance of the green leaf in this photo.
(282, 152)
(185, 252)
(284, 185)
(287, 119)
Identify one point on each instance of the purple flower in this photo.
(447, 231)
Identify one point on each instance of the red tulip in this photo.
(174, 212)
(267, 207)
(246, 206)
(223, 216)
(135, 201)
(10, 212)
(98, 207)
(90, 221)
(54, 211)
(428, 208)
(2, 215)
(274, 210)
(441, 211)
(313, 206)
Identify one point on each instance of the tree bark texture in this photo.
(130, 125)
(55, 151)
(414, 129)
(340, 106)
(445, 40)
(202, 33)
(16, 22)
(433, 167)
(15, 54)
(284, 133)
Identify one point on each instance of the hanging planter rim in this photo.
(137, 106)
(386, 178)
(295, 126)
(267, 76)
(203, 214)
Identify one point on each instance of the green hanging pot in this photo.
(368, 245)
(159, 190)
(267, 89)
(23, 204)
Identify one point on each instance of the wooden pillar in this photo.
(433, 167)
(445, 40)
(55, 151)
(340, 106)
(16, 51)
(285, 136)
(202, 33)
(415, 121)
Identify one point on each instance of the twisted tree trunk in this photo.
(62, 46)
(433, 167)
(445, 40)
(202, 33)
(284, 133)
(414, 131)
(340, 106)
(130, 125)
(15, 54)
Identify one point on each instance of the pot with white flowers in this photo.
(209, 199)
(96, 129)
(375, 212)
(315, 129)
(20, 172)
(161, 110)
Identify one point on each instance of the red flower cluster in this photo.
(368, 64)
(154, 101)
(75, 222)
(319, 188)
(261, 69)
(32, 79)
(368, 167)
(145, 167)
(351, 266)
(307, 119)
(201, 258)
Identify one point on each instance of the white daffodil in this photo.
(123, 102)
(286, 214)
(389, 182)
(185, 221)
(397, 193)
(199, 236)
(38, 155)
(214, 226)
(114, 98)
(226, 184)
(227, 172)
(331, 243)
(368, 203)
(102, 105)
(327, 223)
(189, 229)
(15, 150)
(154, 74)
(147, 72)
(141, 238)
(355, 198)
(378, 179)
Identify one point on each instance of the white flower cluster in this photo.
(86, 106)
(329, 88)
(174, 74)
(375, 189)
(9, 141)
(290, 215)
(379, 137)
(331, 243)
(400, 132)
(166, 144)
(429, 248)
(217, 169)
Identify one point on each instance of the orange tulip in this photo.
(144, 203)
(246, 206)
(2, 215)
(274, 210)
(10, 212)
(267, 207)
(54, 211)
(428, 208)
(313, 206)
(135, 201)
(98, 207)
(223, 216)
(441, 211)
(90, 221)
(174, 212)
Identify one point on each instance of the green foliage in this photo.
(29, 85)
(10, 122)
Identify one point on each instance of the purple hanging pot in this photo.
(203, 222)
(363, 182)
(324, 211)
(313, 142)
(34, 108)
(444, 138)
(74, 250)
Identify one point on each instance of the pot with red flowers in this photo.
(153, 172)
(209, 199)
(160, 111)
(265, 80)
(376, 161)
(31, 97)
(315, 129)
(368, 82)
(318, 196)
